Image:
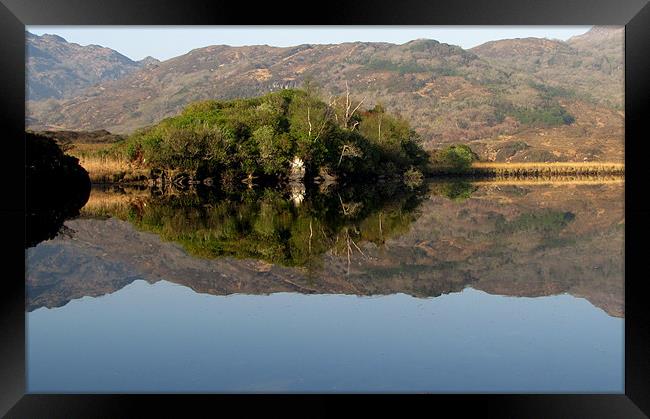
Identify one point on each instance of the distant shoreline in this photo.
(483, 169)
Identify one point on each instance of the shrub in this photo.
(455, 158)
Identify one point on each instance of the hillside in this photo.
(586, 76)
(571, 69)
(58, 69)
(495, 96)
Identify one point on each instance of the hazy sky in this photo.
(164, 42)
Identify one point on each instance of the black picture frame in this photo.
(634, 14)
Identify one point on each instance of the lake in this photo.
(457, 286)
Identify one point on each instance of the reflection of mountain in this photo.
(513, 240)
(524, 241)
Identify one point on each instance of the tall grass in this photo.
(106, 163)
(111, 169)
(555, 169)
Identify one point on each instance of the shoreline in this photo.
(575, 172)
(538, 169)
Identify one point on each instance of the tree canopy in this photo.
(262, 135)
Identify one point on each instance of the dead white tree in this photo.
(349, 150)
(348, 105)
(309, 121)
(349, 111)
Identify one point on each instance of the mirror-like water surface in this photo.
(454, 287)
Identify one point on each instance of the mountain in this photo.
(574, 68)
(59, 69)
(585, 75)
(513, 100)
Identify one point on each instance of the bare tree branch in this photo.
(309, 121)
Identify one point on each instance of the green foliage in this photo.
(547, 113)
(262, 135)
(409, 67)
(455, 158)
(549, 92)
(547, 116)
(274, 150)
(402, 68)
(393, 137)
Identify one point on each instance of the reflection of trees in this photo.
(456, 189)
(267, 224)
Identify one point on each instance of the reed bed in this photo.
(550, 170)
(110, 169)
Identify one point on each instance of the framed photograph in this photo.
(370, 199)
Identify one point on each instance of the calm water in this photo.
(456, 287)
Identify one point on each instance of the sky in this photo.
(164, 42)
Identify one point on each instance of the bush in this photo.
(455, 158)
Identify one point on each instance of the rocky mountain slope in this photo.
(491, 96)
(588, 66)
(59, 69)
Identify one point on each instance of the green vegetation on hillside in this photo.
(543, 117)
(547, 113)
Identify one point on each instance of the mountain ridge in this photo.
(449, 94)
(59, 69)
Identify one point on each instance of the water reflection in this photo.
(508, 239)
(273, 225)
